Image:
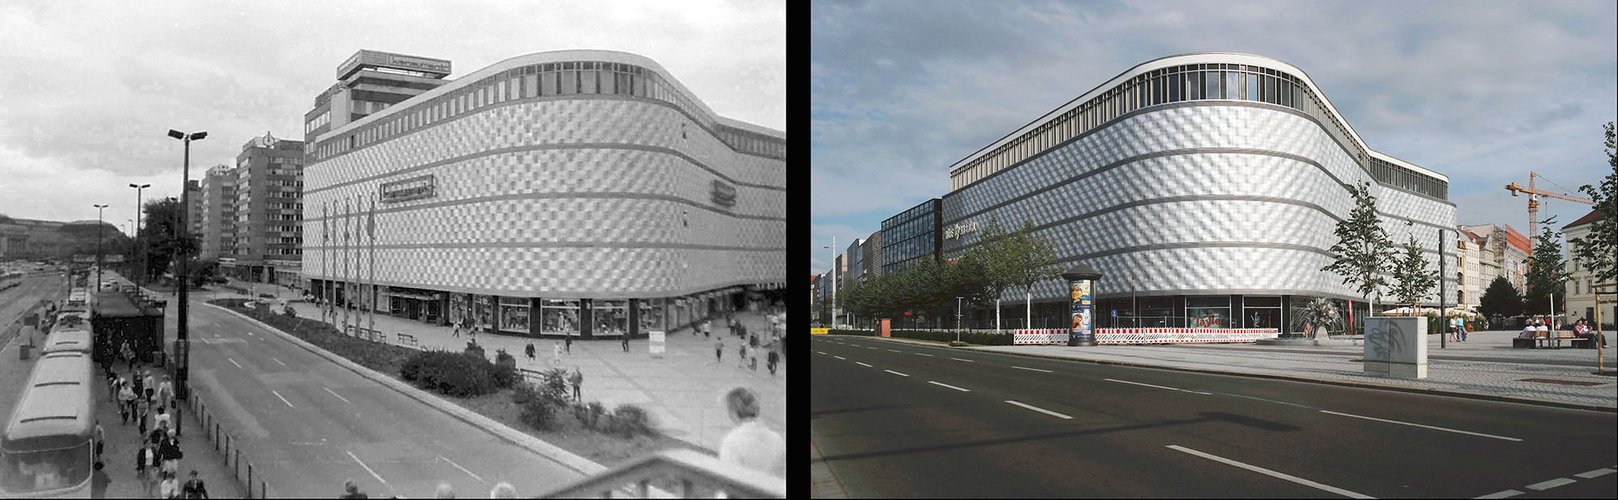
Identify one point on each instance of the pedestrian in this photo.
(194, 488)
(1460, 324)
(444, 491)
(165, 393)
(352, 491)
(129, 355)
(170, 487)
(503, 490)
(752, 340)
(773, 358)
(718, 350)
(626, 341)
(126, 399)
(146, 465)
(556, 358)
(138, 381)
(576, 378)
(168, 452)
(112, 382)
(742, 360)
(162, 420)
(530, 351)
(455, 329)
(99, 481)
(101, 439)
(142, 410)
(751, 444)
(569, 339)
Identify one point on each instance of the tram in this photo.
(48, 447)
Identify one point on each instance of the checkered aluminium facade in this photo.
(524, 191)
(1208, 208)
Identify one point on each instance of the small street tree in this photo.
(1500, 299)
(1362, 247)
(1596, 250)
(1547, 274)
(1412, 281)
(989, 254)
(1027, 260)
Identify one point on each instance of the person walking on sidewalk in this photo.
(126, 399)
(129, 355)
(142, 409)
(146, 466)
(194, 488)
(774, 356)
(569, 339)
(101, 439)
(165, 393)
(626, 341)
(556, 356)
(151, 388)
(530, 351)
(455, 330)
(576, 378)
(169, 452)
(718, 350)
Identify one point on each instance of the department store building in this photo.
(577, 191)
(1205, 187)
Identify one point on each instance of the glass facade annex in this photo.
(911, 235)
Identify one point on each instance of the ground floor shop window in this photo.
(1207, 312)
(484, 311)
(559, 317)
(651, 315)
(514, 315)
(458, 308)
(1158, 312)
(611, 317)
(1261, 312)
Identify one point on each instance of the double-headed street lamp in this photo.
(139, 254)
(99, 223)
(182, 347)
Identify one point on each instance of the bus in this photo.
(48, 448)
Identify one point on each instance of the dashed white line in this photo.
(367, 467)
(947, 385)
(1502, 494)
(1545, 485)
(339, 396)
(278, 361)
(822, 352)
(1158, 386)
(1032, 369)
(233, 361)
(892, 350)
(863, 364)
(966, 360)
(463, 469)
(1041, 410)
(283, 399)
(1596, 473)
(871, 348)
(839, 357)
(1271, 473)
(922, 354)
(1423, 426)
(896, 373)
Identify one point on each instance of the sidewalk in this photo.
(1484, 367)
(119, 453)
(683, 389)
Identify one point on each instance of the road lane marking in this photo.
(1271, 401)
(1595, 473)
(896, 373)
(1041, 410)
(339, 396)
(233, 361)
(278, 361)
(871, 348)
(1158, 386)
(367, 467)
(822, 352)
(1032, 369)
(863, 364)
(283, 400)
(947, 385)
(966, 360)
(920, 354)
(839, 357)
(1271, 473)
(463, 469)
(1502, 494)
(891, 350)
(1423, 426)
(1545, 485)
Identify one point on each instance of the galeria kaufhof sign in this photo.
(414, 188)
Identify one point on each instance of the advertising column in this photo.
(1080, 284)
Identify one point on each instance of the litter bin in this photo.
(22, 350)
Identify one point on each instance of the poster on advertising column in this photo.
(1080, 290)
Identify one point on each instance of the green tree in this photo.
(1362, 246)
(1411, 278)
(1500, 299)
(1595, 251)
(1027, 260)
(990, 254)
(1547, 274)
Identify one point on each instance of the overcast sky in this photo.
(89, 89)
(1481, 91)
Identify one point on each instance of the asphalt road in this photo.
(308, 424)
(29, 291)
(894, 419)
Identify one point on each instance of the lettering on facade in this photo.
(414, 188)
(724, 194)
(960, 229)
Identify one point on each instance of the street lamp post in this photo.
(139, 253)
(958, 319)
(99, 211)
(833, 248)
(182, 345)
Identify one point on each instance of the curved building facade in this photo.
(1205, 187)
(583, 192)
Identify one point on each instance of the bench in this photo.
(1545, 341)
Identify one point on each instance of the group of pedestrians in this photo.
(748, 352)
(149, 403)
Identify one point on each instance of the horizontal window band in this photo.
(385, 209)
(314, 248)
(540, 147)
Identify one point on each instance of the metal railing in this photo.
(689, 473)
(229, 445)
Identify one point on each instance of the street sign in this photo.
(656, 344)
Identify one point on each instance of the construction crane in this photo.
(1533, 204)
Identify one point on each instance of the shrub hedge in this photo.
(629, 420)
(456, 373)
(972, 337)
(864, 333)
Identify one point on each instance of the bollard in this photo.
(249, 480)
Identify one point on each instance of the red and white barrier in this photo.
(1040, 336)
(1182, 335)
